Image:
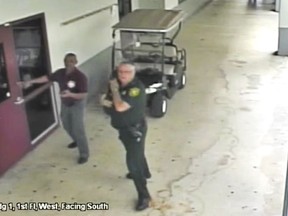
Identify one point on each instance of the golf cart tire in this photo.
(158, 107)
(183, 81)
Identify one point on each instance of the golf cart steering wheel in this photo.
(155, 55)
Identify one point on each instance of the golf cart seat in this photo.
(151, 53)
(156, 68)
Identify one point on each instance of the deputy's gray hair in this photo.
(130, 64)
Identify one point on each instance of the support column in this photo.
(283, 28)
(277, 5)
(285, 205)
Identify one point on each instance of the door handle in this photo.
(19, 100)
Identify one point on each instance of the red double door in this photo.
(20, 119)
(14, 134)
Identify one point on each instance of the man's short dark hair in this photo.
(70, 55)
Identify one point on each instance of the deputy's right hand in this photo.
(105, 102)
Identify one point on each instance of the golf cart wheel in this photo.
(158, 107)
(183, 81)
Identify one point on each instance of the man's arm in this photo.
(76, 96)
(26, 84)
(82, 90)
(79, 96)
(42, 79)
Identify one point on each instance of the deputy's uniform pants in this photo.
(73, 122)
(135, 157)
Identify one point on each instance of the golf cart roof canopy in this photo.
(150, 20)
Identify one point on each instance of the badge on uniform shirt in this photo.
(134, 92)
(123, 92)
(71, 84)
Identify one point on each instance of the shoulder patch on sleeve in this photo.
(134, 92)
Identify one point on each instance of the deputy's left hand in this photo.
(114, 85)
(65, 94)
(104, 102)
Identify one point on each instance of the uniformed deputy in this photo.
(73, 91)
(126, 104)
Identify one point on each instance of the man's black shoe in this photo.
(128, 176)
(82, 160)
(72, 145)
(143, 203)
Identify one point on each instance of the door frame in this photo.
(15, 23)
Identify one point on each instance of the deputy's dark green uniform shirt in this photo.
(133, 94)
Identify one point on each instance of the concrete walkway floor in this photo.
(220, 151)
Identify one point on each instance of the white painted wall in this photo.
(188, 6)
(170, 4)
(85, 37)
(191, 6)
(151, 4)
(135, 4)
(154, 4)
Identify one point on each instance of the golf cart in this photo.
(146, 38)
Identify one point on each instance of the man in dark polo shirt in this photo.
(126, 104)
(73, 91)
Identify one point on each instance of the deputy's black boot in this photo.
(143, 203)
(72, 145)
(128, 176)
